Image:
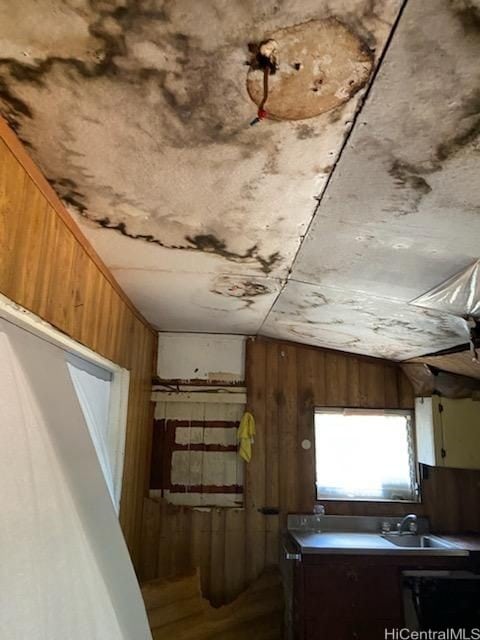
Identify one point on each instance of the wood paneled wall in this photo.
(284, 383)
(177, 539)
(48, 267)
(176, 610)
(451, 499)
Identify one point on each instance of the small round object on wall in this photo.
(306, 444)
(320, 64)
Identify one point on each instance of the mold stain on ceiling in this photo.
(138, 113)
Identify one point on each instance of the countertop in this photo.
(311, 542)
(468, 541)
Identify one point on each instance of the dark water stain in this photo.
(193, 116)
(271, 165)
(468, 13)
(465, 135)
(244, 290)
(205, 243)
(440, 330)
(320, 299)
(407, 176)
(208, 243)
(69, 192)
(357, 19)
(335, 115)
(16, 108)
(305, 131)
(253, 289)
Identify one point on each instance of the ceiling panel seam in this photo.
(356, 115)
(330, 287)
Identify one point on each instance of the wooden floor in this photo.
(177, 610)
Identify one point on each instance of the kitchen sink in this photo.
(414, 541)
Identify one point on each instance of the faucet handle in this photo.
(413, 527)
(386, 527)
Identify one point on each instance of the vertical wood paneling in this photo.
(391, 387)
(287, 424)
(184, 538)
(272, 446)
(255, 481)
(234, 561)
(353, 383)
(307, 377)
(48, 267)
(306, 381)
(218, 555)
(452, 499)
(285, 382)
(176, 610)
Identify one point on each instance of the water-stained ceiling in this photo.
(320, 223)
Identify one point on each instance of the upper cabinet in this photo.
(448, 432)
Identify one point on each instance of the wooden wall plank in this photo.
(217, 555)
(353, 383)
(306, 379)
(272, 447)
(234, 555)
(287, 423)
(48, 267)
(255, 484)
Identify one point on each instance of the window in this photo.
(95, 391)
(101, 388)
(364, 455)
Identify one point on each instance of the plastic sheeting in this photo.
(449, 385)
(459, 295)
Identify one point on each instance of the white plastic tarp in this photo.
(459, 295)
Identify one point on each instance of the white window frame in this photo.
(118, 406)
(416, 498)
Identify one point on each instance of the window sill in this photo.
(366, 500)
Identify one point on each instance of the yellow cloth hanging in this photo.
(246, 433)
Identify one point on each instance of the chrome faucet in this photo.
(411, 521)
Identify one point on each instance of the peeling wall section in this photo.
(212, 358)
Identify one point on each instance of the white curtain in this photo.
(65, 573)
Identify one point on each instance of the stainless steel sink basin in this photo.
(414, 541)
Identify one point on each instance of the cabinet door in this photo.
(460, 425)
(448, 432)
(350, 590)
(331, 630)
(354, 599)
(373, 629)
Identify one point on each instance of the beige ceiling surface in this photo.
(138, 113)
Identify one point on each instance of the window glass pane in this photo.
(92, 386)
(363, 455)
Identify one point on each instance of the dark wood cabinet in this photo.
(348, 597)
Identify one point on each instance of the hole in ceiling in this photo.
(314, 67)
